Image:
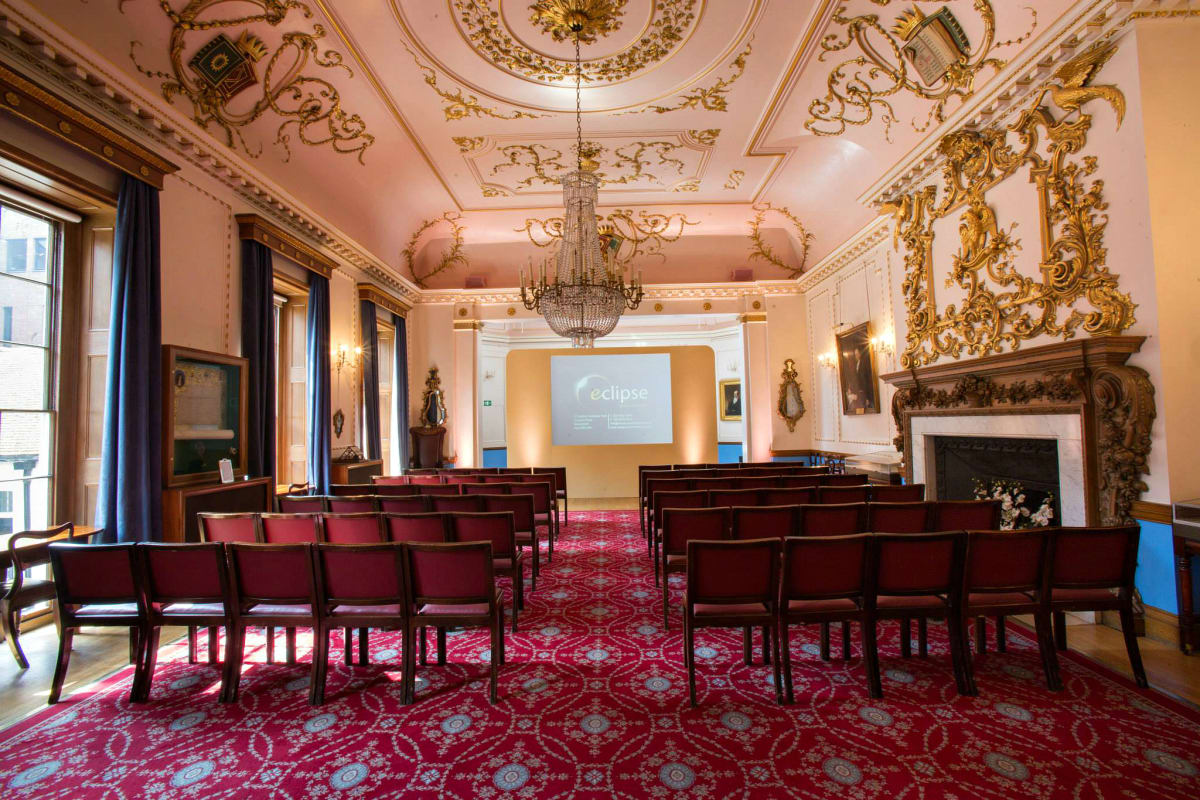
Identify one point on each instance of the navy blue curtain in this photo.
(400, 391)
(320, 440)
(129, 506)
(258, 346)
(370, 340)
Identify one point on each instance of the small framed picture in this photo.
(225, 465)
(729, 396)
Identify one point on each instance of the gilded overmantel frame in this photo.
(1086, 377)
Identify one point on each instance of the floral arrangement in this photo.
(1014, 514)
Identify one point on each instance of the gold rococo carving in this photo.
(759, 247)
(1003, 307)
(642, 234)
(458, 104)
(705, 98)
(454, 255)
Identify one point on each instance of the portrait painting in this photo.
(856, 368)
(730, 400)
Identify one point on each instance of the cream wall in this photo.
(787, 337)
(610, 470)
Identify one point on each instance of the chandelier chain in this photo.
(578, 107)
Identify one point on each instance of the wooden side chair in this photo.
(21, 592)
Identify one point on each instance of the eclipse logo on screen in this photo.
(594, 390)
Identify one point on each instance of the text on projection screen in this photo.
(620, 399)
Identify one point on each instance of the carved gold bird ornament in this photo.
(1073, 89)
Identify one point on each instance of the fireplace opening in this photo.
(964, 463)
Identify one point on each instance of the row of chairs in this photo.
(448, 475)
(864, 578)
(395, 586)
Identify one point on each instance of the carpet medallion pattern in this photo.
(594, 705)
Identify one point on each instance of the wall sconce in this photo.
(341, 355)
(883, 344)
(827, 360)
(488, 374)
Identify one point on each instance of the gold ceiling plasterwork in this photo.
(926, 56)
(759, 247)
(483, 24)
(1003, 307)
(707, 137)
(466, 144)
(594, 18)
(452, 256)
(687, 186)
(735, 178)
(458, 104)
(221, 68)
(642, 234)
(706, 98)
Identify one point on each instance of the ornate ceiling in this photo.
(385, 115)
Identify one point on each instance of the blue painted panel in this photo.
(495, 457)
(1156, 569)
(729, 453)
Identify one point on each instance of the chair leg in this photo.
(871, 657)
(1048, 651)
(549, 544)
(364, 646)
(518, 599)
(348, 646)
(766, 634)
(235, 647)
(824, 641)
(981, 634)
(10, 622)
(60, 666)
(747, 647)
(135, 646)
(654, 553)
(289, 638)
(409, 661)
(960, 657)
(270, 645)
(1060, 630)
(148, 662)
(922, 637)
(441, 647)
(689, 658)
(845, 640)
(422, 645)
(906, 638)
(1001, 635)
(776, 658)
(191, 641)
(214, 645)
(665, 589)
(320, 655)
(786, 655)
(1131, 646)
(494, 667)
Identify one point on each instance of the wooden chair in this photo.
(413, 504)
(395, 490)
(679, 526)
(899, 517)
(459, 502)
(734, 497)
(909, 493)
(732, 585)
(358, 504)
(844, 480)
(965, 515)
(301, 504)
(833, 520)
(499, 529)
(524, 524)
(352, 489)
(544, 505)
(351, 528)
(841, 494)
(239, 527)
(789, 497)
(764, 522)
(661, 501)
(22, 592)
(428, 528)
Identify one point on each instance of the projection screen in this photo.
(619, 399)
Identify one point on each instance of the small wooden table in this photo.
(85, 532)
(1186, 537)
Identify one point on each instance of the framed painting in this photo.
(729, 400)
(204, 415)
(856, 370)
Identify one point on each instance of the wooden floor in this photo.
(99, 652)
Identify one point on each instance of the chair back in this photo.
(426, 528)
(229, 527)
(733, 571)
(486, 488)
(1094, 558)
(462, 477)
(844, 480)
(351, 489)
(758, 482)
(450, 574)
(801, 481)
(496, 527)
(764, 522)
(825, 567)
(424, 480)
(413, 504)
(681, 525)
(462, 502)
(919, 563)
(272, 573)
(395, 490)
(358, 504)
(290, 528)
(841, 494)
(965, 515)
(514, 470)
(909, 493)
(544, 477)
(840, 520)
(693, 498)
(520, 505)
(390, 480)
(733, 497)
(302, 504)
(25, 556)
(503, 477)
(543, 502)
(95, 573)
(184, 573)
(714, 484)
(898, 517)
(436, 489)
(789, 497)
(1008, 561)
(351, 528)
(360, 574)
(656, 485)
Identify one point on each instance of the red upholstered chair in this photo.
(679, 526)
(800, 481)
(560, 487)
(965, 515)
(358, 586)
(351, 489)
(503, 477)
(919, 575)
(824, 580)
(653, 482)
(351, 528)
(732, 585)
(440, 489)
(1006, 574)
(543, 505)
(96, 585)
(788, 497)
(22, 592)
(909, 493)
(524, 524)
(274, 586)
(496, 487)
(464, 502)
(358, 504)
(844, 480)
(840, 520)
(757, 482)
(229, 527)
(764, 522)
(715, 484)
(452, 585)
(693, 498)
(395, 490)
(301, 504)
(1092, 569)
(500, 530)
(426, 528)
(727, 498)
(186, 584)
(424, 480)
(390, 480)
(413, 504)
(899, 517)
(514, 470)
(291, 528)
(550, 478)
(462, 477)
(841, 494)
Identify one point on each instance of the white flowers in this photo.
(1014, 514)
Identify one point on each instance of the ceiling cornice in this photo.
(868, 237)
(662, 291)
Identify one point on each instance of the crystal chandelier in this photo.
(586, 294)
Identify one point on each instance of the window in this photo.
(27, 362)
(387, 364)
(39, 254)
(291, 387)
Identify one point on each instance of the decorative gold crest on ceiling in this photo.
(629, 236)
(459, 105)
(933, 45)
(759, 247)
(448, 259)
(735, 178)
(1003, 306)
(223, 68)
(707, 98)
(483, 24)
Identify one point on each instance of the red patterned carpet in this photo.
(594, 705)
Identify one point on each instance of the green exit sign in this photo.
(487, 403)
